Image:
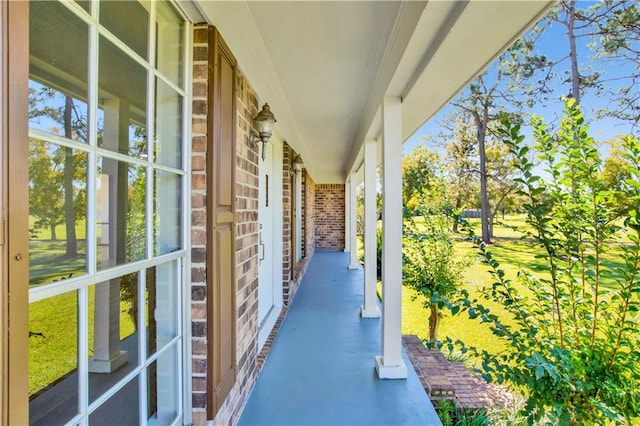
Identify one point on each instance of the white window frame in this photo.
(182, 342)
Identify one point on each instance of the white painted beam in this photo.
(390, 364)
(370, 308)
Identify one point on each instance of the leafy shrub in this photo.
(574, 342)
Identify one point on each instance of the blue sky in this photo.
(554, 44)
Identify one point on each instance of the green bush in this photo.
(573, 341)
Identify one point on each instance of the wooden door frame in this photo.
(14, 210)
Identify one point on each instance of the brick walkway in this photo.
(445, 380)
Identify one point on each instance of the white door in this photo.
(266, 237)
(270, 238)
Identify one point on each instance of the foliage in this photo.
(57, 186)
(608, 67)
(450, 416)
(615, 173)
(573, 340)
(420, 169)
(429, 263)
(503, 87)
(47, 185)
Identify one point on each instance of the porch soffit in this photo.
(325, 67)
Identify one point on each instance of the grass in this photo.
(54, 354)
(53, 351)
(47, 260)
(513, 255)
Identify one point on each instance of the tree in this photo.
(46, 186)
(59, 179)
(430, 264)
(602, 53)
(502, 182)
(462, 165)
(501, 88)
(419, 170)
(573, 340)
(615, 173)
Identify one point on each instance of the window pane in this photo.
(169, 50)
(57, 71)
(121, 409)
(162, 305)
(113, 332)
(163, 388)
(57, 212)
(85, 4)
(120, 215)
(168, 132)
(129, 21)
(123, 101)
(53, 359)
(167, 213)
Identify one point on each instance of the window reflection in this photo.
(167, 213)
(113, 332)
(123, 101)
(121, 224)
(129, 21)
(162, 283)
(56, 113)
(168, 131)
(121, 409)
(163, 388)
(53, 359)
(170, 36)
(57, 71)
(57, 212)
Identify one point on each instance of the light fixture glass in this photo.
(263, 122)
(297, 164)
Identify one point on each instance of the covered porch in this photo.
(321, 369)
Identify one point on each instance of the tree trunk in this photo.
(434, 322)
(484, 196)
(456, 216)
(69, 211)
(573, 51)
(52, 227)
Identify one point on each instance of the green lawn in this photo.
(513, 256)
(54, 354)
(514, 226)
(53, 351)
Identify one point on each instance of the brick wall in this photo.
(329, 217)
(198, 226)
(309, 215)
(246, 257)
(246, 159)
(287, 254)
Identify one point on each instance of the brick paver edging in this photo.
(446, 380)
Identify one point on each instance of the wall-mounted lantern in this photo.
(297, 164)
(264, 124)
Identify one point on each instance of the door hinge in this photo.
(1, 232)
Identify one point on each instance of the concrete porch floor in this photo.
(320, 370)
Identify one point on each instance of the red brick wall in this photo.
(329, 217)
(287, 246)
(198, 226)
(246, 159)
(309, 215)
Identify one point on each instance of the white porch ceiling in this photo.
(324, 67)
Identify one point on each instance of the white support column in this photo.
(347, 215)
(352, 232)
(370, 308)
(107, 356)
(390, 364)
